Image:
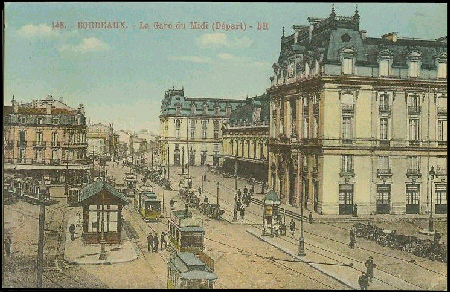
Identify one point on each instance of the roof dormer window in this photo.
(442, 66)
(385, 61)
(348, 61)
(414, 64)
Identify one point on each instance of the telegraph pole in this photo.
(168, 162)
(217, 194)
(235, 173)
(40, 259)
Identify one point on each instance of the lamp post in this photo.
(217, 198)
(432, 173)
(301, 239)
(102, 239)
(235, 172)
(182, 160)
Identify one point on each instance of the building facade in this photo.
(245, 139)
(191, 128)
(44, 138)
(358, 120)
(101, 141)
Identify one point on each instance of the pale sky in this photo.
(120, 75)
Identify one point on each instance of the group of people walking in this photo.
(242, 199)
(153, 241)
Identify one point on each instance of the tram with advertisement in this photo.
(190, 270)
(185, 232)
(148, 204)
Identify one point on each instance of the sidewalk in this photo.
(76, 252)
(338, 267)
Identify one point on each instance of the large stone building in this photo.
(44, 138)
(191, 128)
(358, 120)
(245, 139)
(101, 141)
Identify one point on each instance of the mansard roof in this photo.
(175, 98)
(244, 113)
(333, 34)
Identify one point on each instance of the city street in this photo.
(241, 260)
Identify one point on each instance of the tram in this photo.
(187, 270)
(186, 233)
(148, 204)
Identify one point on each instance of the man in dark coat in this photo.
(292, 226)
(369, 266)
(150, 242)
(242, 212)
(352, 238)
(163, 240)
(363, 281)
(155, 242)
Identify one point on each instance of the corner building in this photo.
(191, 128)
(358, 120)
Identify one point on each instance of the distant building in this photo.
(43, 138)
(191, 128)
(246, 137)
(358, 120)
(101, 140)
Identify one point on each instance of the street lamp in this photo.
(431, 220)
(301, 239)
(182, 160)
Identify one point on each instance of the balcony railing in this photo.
(442, 143)
(384, 143)
(347, 141)
(413, 110)
(348, 107)
(384, 108)
(56, 144)
(39, 144)
(442, 110)
(55, 161)
(9, 144)
(414, 143)
(347, 172)
(413, 172)
(21, 143)
(384, 172)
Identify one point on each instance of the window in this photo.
(193, 129)
(178, 108)
(442, 70)
(384, 67)
(347, 129)
(204, 128)
(193, 108)
(315, 126)
(54, 138)
(205, 108)
(55, 121)
(347, 163)
(228, 110)
(22, 119)
(442, 130)
(383, 198)
(40, 120)
(345, 199)
(216, 110)
(39, 136)
(414, 130)
(384, 102)
(383, 164)
(216, 130)
(347, 65)
(412, 198)
(177, 128)
(305, 127)
(414, 64)
(440, 206)
(413, 164)
(384, 129)
(54, 154)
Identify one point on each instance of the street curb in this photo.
(300, 259)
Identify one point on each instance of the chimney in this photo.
(363, 34)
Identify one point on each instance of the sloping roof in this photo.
(94, 188)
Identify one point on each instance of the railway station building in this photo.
(358, 120)
(191, 128)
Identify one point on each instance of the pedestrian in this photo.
(242, 213)
(355, 210)
(352, 238)
(369, 266)
(239, 195)
(252, 190)
(292, 226)
(172, 202)
(363, 281)
(72, 231)
(245, 190)
(235, 213)
(310, 218)
(8, 245)
(155, 242)
(163, 240)
(200, 190)
(150, 242)
(437, 237)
